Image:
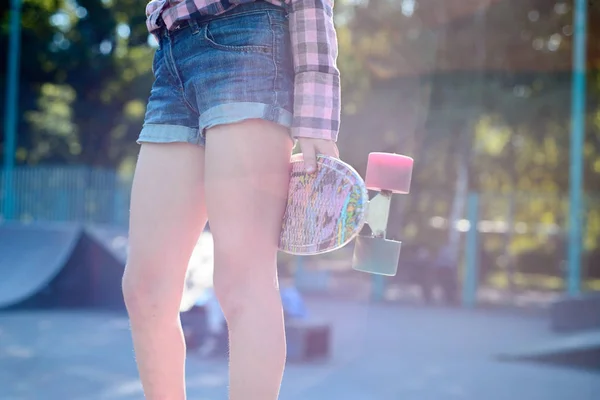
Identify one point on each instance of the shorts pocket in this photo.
(243, 32)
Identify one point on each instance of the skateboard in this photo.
(328, 209)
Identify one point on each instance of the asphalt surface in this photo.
(380, 352)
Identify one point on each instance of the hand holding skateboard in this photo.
(328, 208)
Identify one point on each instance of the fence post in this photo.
(470, 276)
(11, 118)
(578, 114)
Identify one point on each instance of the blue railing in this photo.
(69, 194)
(100, 196)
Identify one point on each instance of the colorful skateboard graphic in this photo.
(328, 209)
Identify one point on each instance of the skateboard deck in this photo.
(329, 208)
(325, 210)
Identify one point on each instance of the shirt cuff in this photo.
(316, 105)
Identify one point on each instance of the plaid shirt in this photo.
(314, 49)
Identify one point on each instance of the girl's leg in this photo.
(167, 217)
(247, 177)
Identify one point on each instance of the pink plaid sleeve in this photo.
(317, 79)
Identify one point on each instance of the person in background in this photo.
(215, 337)
(291, 298)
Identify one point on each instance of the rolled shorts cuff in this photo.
(218, 115)
(165, 133)
(236, 112)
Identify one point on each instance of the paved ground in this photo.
(381, 352)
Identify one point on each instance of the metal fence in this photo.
(529, 229)
(69, 194)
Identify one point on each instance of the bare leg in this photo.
(247, 177)
(167, 217)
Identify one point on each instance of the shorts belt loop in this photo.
(193, 23)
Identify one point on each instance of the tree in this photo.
(36, 66)
(84, 93)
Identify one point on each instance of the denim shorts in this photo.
(215, 70)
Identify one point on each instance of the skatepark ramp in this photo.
(31, 258)
(74, 265)
(60, 265)
(578, 350)
(575, 322)
(112, 239)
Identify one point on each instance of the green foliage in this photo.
(498, 99)
(86, 72)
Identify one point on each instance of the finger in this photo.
(309, 155)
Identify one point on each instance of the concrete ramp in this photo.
(581, 350)
(75, 266)
(31, 256)
(113, 239)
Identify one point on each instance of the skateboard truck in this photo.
(387, 174)
(327, 210)
(378, 213)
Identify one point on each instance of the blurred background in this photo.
(498, 102)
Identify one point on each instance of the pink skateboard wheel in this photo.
(389, 172)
